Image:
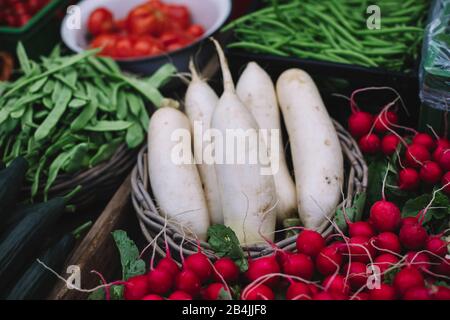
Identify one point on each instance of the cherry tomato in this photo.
(146, 46)
(196, 30)
(105, 41)
(123, 47)
(179, 15)
(100, 21)
(146, 20)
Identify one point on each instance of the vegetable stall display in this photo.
(150, 29)
(66, 114)
(335, 31)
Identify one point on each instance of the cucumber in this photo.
(20, 243)
(11, 181)
(37, 281)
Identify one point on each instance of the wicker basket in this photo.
(97, 183)
(151, 222)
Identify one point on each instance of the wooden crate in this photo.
(97, 250)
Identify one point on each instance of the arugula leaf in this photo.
(354, 213)
(132, 265)
(224, 242)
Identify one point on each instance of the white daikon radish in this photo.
(257, 91)
(175, 183)
(316, 151)
(200, 103)
(248, 196)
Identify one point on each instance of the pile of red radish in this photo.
(336, 268)
(425, 160)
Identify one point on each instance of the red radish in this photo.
(384, 292)
(444, 143)
(408, 179)
(360, 123)
(323, 296)
(444, 161)
(152, 297)
(407, 278)
(159, 281)
(443, 268)
(213, 290)
(310, 243)
(357, 274)
(188, 282)
(136, 288)
(370, 144)
(329, 260)
(385, 261)
(169, 265)
(339, 296)
(200, 265)
(417, 293)
(261, 267)
(259, 292)
(419, 260)
(227, 269)
(425, 140)
(387, 241)
(336, 284)
(362, 296)
(446, 182)
(385, 216)
(437, 246)
(410, 220)
(430, 173)
(389, 144)
(298, 291)
(360, 229)
(383, 120)
(313, 288)
(437, 154)
(180, 295)
(360, 249)
(413, 236)
(299, 265)
(416, 155)
(441, 293)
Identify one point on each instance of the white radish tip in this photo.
(194, 73)
(170, 103)
(228, 84)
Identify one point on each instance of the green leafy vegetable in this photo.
(354, 213)
(224, 242)
(132, 265)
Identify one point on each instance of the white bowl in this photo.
(211, 14)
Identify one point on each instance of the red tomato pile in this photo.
(17, 13)
(150, 29)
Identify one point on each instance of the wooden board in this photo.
(97, 249)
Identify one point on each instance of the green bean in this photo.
(250, 45)
(76, 158)
(135, 135)
(356, 55)
(70, 61)
(101, 126)
(390, 30)
(122, 105)
(38, 85)
(53, 117)
(88, 112)
(77, 103)
(54, 169)
(105, 152)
